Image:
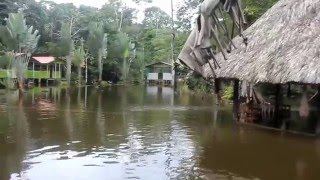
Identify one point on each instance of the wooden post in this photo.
(86, 73)
(40, 73)
(289, 91)
(33, 71)
(55, 70)
(278, 102)
(60, 71)
(48, 74)
(236, 102)
(217, 85)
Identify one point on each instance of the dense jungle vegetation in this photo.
(116, 46)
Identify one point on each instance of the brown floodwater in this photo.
(141, 133)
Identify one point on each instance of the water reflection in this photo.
(140, 133)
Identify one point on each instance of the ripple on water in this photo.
(44, 149)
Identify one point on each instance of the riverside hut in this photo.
(159, 73)
(283, 48)
(44, 68)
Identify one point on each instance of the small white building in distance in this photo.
(159, 73)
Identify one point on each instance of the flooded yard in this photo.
(141, 133)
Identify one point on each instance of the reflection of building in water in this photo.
(160, 94)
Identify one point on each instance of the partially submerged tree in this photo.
(140, 61)
(22, 40)
(123, 47)
(97, 43)
(78, 60)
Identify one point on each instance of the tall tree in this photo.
(97, 44)
(156, 18)
(78, 60)
(186, 12)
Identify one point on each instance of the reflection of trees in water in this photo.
(13, 141)
(68, 119)
(156, 132)
(100, 119)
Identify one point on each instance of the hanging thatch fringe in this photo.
(198, 51)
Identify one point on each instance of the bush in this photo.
(195, 82)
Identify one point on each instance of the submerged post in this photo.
(216, 90)
(236, 100)
(278, 102)
(289, 91)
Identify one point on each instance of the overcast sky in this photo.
(165, 5)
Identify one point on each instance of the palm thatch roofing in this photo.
(283, 46)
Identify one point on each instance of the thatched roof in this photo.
(284, 46)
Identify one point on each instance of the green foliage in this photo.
(255, 8)
(21, 40)
(106, 33)
(228, 93)
(98, 44)
(156, 18)
(195, 82)
(7, 7)
(5, 60)
(17, 36)
(97, 40)
(63, 46)
(79, 56)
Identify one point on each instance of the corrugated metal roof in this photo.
(44, 59)
(161, 62)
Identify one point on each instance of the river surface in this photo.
(141, 133)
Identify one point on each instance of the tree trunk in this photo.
(100, 66)
(79, 74)
(68, 74)
(142, 75)
(124, 70)
(20, 87)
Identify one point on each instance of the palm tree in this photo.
(78, 59)
(124, 49)
(22, 40)
(97, 44)
(141, 63)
